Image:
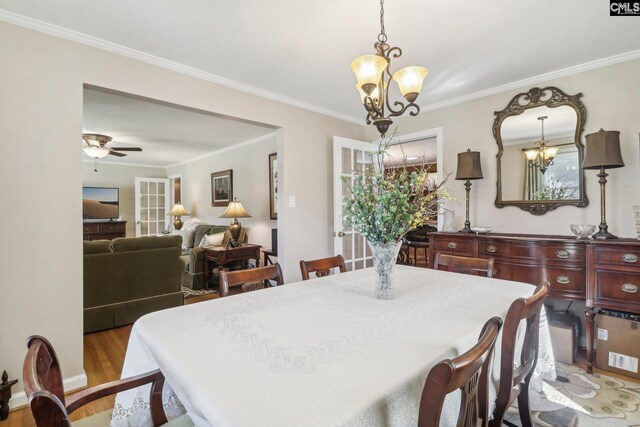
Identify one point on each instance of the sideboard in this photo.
(106, 230)
(602, 273)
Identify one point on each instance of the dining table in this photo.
(322, 352)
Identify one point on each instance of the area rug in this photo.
(188, 292)
(584, 400)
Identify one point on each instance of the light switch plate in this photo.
(292, 201)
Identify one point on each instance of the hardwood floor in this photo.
(104, 353)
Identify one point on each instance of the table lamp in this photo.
(603, 152)
(235, 210)
(468, 168)
(178, 210)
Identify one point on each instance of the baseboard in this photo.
(69, 384)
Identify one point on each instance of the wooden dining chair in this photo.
(252, 286)
(42, 380)
(516, 376)
(463, 264)
(322, 267)
(469, 372)
(241, 277)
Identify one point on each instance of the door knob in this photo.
(338, 234)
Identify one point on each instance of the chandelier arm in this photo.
(415, 107)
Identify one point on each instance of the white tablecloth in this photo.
(319, 353)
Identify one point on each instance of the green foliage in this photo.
(387, 204)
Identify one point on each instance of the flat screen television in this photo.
(100, 203)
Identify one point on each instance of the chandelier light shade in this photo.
(374, 76)
(602, 151)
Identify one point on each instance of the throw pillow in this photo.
(212, 240)
(187, 237)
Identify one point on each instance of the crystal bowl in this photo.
(481, 230)
(583, 231)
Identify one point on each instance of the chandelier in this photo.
(374, 78)
(541, 157)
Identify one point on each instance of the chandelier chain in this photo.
(382, 37)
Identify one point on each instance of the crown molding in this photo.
(587, 66)
(225, 149)
(75, 36)
(116, 163)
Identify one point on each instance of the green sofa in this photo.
(193, 274)
(127, 278)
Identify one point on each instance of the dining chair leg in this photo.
(523, 402)
(498, 414)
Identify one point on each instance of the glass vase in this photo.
(384, 261)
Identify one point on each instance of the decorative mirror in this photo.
(540, 150)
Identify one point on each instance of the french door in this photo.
(152, 200)
(349, 155)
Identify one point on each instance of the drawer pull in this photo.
(629, 288)
(492, 248)
(630, 258)
(563, 280)
(452, 245)
(563, 254)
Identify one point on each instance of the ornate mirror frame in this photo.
(552, 97)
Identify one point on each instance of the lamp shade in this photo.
(235, 210)
(178, 210)
(469, 165)
(603, 150)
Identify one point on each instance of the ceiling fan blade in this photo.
(126, 148)
(114, 153)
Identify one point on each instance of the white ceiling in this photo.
(301, 51)
(166, 133)
(560, 122)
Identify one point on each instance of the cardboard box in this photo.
(563, 341)
(618, 345)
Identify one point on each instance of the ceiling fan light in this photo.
(368, 70)
(95, 151)
(409, 80)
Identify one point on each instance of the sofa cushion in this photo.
(90, 247)
(203, 229)
(126, 244)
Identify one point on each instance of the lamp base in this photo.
(234, 230)
(177, 223)
(604, 236)
(466, 229)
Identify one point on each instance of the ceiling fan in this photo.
(95, 146)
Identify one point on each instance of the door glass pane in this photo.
(347, 246)
(358, 160)
(144, 188)
(346, 190)
(162, 225)
(345, 227)
(152, 188)
(359, 246)
(161, 188)
(152, 201)
(144, 228)
(161, 214)
(153, 228)
(346, 160)
(152, 214)
(359, 265)
(369, 262)
(160, 200)
(349, 267)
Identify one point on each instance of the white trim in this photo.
(225, 149)
(75, 36)
(598, 63)
(69, 384)
(138, 165)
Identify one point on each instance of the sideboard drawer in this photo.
(531, 250)
(562, 281)
(566, 280)
(112, 228)
(618, 286)
(623, 256)
(91, 228)
(453, 245)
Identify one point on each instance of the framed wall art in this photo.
(273, 185)
(221, 188)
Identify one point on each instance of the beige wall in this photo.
(250, 165)
(41, 166)
(611, 98)
(123, 177)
